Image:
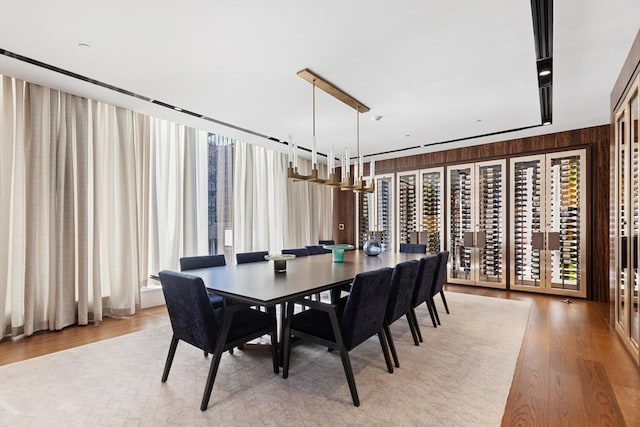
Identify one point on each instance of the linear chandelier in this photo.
(358, 183)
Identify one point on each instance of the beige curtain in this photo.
(179, 197)
(272, 212)
(73, 217)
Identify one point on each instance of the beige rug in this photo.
(460, 376)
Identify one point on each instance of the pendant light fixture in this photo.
(332, 180)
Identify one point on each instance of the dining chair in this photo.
(205, 261)
(443, 258)
(403, 281)
(343, 329)
(248, 257)
(296, 251)
(425, 280)
(413, 248)
(196, 322)
(317, 250)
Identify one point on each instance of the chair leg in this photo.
(432, 314)
(346, 363)
(392, 346)
(385, 350)
(412, 312)
(172, 352)
(213, 370)
(444, 301)
(431, 302)
(412, 328)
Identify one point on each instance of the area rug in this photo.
(459, 376)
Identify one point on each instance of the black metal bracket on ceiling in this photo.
(542, 13)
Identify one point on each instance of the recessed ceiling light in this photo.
(544, 73)
(84, 45)
(376, 118)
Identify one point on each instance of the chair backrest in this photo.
(366, 305)
(327, 242)
(443, 258)
(317, 250)
(427, 275)
(193, 262)
(190, 311)
(403, 281)
(296, 251)
(413, 248)
(247, 257)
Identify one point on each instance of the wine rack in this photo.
(432, 210)
(384, 211)
(490, 211)
(476, 224)
(375, 213)
(626, 219)
(407, 207)
(526, 222)
(460, 223)
(365, 217)
(420, 208)
(547, 224)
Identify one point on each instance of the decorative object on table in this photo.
(279, 261)
(372, 247)
(338, 251)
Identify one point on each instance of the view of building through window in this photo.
(220, 187)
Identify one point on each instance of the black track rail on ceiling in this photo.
(542, 14)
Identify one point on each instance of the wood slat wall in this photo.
(594, 139)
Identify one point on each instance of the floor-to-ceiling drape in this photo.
(179, 197)
(272, 212)
(73, 217)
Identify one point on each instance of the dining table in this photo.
(259, 284)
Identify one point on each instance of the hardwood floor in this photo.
(572, 369)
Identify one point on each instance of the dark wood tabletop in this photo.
(258, 283)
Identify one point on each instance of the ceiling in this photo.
(438, 74)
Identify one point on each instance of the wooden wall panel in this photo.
(594, 139)
(344, 208)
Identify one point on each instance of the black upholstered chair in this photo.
(403, 281)
(214, 331)
(441, 275)
(413, 248)
(195, 262)
(248, 257)
(317, 250)
(296, 251)
(343, 329)
(427, 274)
(204, 261)
(327, 242)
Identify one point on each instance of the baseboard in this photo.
(151, 296)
